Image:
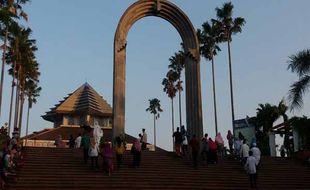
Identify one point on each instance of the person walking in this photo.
(185, 147)
(250, 167)
(230, 139)
(107, 155)
(119, 151)
(78, 141)
(136, 151)
(71, 142)
(204, 149)
(244, 151)
(177, 141)
(85, 143)
(212, 152)
(194, 143)
(256, 153)
(220, 145)
(184, 141)
(144, 139)
(93, 154)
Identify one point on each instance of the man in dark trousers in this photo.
(177, 141)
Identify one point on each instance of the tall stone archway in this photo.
(170, 12)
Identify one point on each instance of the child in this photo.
(107, 154)
(250, 166)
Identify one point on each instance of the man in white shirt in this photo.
(78, 141)
(250, 166)
(256, 153)
(244, 151)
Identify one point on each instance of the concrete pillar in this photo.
(272, 144)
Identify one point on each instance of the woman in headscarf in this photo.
(136, 151)
(107, 154)
(97, 133)
(220, 144)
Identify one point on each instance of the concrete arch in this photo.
(170, 12)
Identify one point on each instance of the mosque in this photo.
(82, 107)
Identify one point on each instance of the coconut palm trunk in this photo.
(11, 106)
(214, 96)
(16, 103)
(27, 122)
(21, 108)
(22, 100)
(2, 67)
(180, 105)
(231, 85)
(154, 132)
(172, 122)
(12, 95)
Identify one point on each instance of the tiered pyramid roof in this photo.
(83, 100)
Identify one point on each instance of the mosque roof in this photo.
(84, 100)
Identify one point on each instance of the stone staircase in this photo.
(62, 168)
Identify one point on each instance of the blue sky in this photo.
(75, 41)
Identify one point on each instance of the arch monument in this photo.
(171, 13)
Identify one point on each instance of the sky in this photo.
(75, 45)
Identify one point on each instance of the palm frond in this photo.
(225, 11)
(298, 89)
(237, 25)
(300, 62)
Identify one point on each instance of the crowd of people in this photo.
(208, 151)
(11, 157)
(95, 148)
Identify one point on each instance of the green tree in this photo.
(21, 57)
(154, 108)
(266, 115)
(229, 26)
(299, 64)
(209, 37)
(282, 109)
(177, 64)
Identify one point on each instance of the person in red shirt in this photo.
(212, 150)
(194, 143)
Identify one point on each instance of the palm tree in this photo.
(154, 108)
(9, 10)
(209, 37)
(6, 19)
(282, 109)
(266, 115)
(299, 64)
(170, 89)
(177, 64)
(29, 72)
(229, 26)
(24, 66)
(32, 91)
